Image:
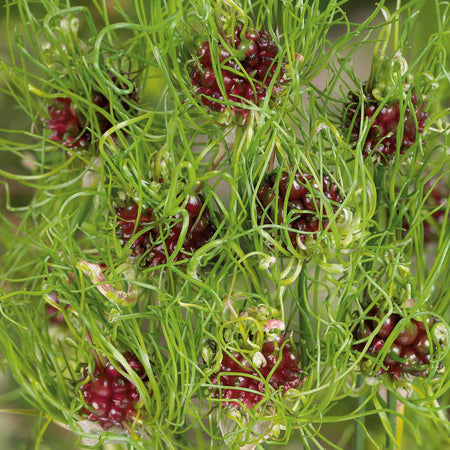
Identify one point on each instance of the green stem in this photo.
(380, 186)
(359, 432)
(81, 214)
(392, 405)
(304, 319)
(396, 29)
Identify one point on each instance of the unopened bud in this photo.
(440, 333)
(69, 26)
(267, 262)
(207, 354)
(259, 360)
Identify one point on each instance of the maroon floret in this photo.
(243, 82)
(237, 386)
(302, 207)
(111, 398)
(200, 231)
(381, 140)
(66, 125)
(69, 127)
(409, 353)
(127, 228)
(104, 103)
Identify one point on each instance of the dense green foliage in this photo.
(156, 144)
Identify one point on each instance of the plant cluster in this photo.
(250, 66)
(110, 398)
(199, 232)
(231, 235)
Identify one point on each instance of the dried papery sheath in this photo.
(118, 297)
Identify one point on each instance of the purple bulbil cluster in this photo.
(246, 71)
(410, 353)
(110, 397)
(200, 231)
(236, 375)
(69, 126)
(381, 140)
(302, 207)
